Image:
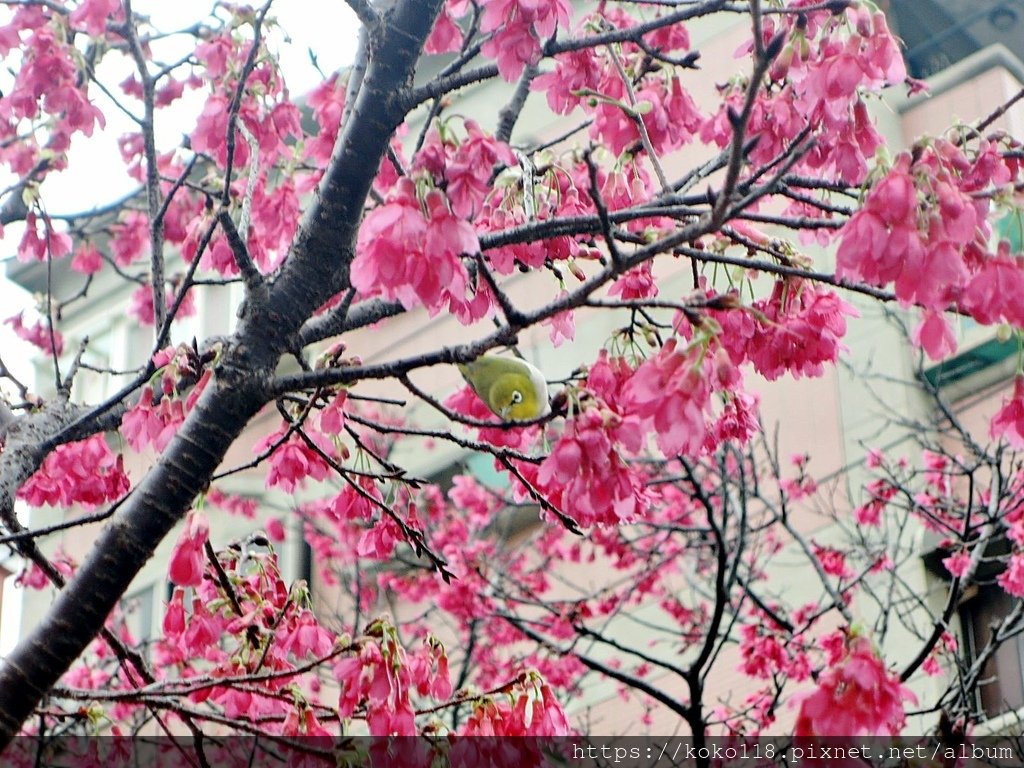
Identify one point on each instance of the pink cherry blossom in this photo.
(957, 563)
(883, 233)
(85, 472)
(563, 327)
(1009, 421)
(574, 71)
(87, 259)
(38, 334)
(637, 283)
(141, 304)
(671, 395)
(518, 28)
(92, 15)
(406, 256)
(586, 477)
(855, 696)
(446, 35)
(989, 295)
(1012, 579)
(275, 529)
(805, 324)
(42, 245)
(236, 505)
(653, 442)
(174, 616)
(130, 238)
(304, 637)
(469, 169)
(215, 55)
(935, 336)
(145, 424)
(292, 462)
(188, 558)
(34, 577)
(832, 561)
(212, 126)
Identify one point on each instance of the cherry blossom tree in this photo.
(375, 196)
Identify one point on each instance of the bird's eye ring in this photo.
(517, 397)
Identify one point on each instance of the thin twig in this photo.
(251, 276)
(152, 185)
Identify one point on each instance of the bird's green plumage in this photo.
(511, 388)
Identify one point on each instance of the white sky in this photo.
(95, 172)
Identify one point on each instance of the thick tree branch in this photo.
(510, 112)
(343, 318)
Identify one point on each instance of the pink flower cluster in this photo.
(186, 565)
(587, 478)
(923, 229)
(587, 474)
(292, 460)
(463, 167)
(1012, 579)
(670, 393)
(335, 527)
(1008, 423)
(803, 330)
(532, 710)
(42, 246)
(555, 196)
(273, 119)
(817, 83)
(517, 30)
(795, 330)
(879, 492)
(767, 652)
(46, 85)
(33, 577)
(37, 334)
(590, 78)
(93, 15)
(140, 305)
(327, 103)
(381, 678)
(155, 419)
(827, 84)
(85, 473)
(412, 252)
(216, 637)
(855, 696)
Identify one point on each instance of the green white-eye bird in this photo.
(512, 388)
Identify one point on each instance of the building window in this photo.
(939, 33)
(983, 609)
(1001, 683)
